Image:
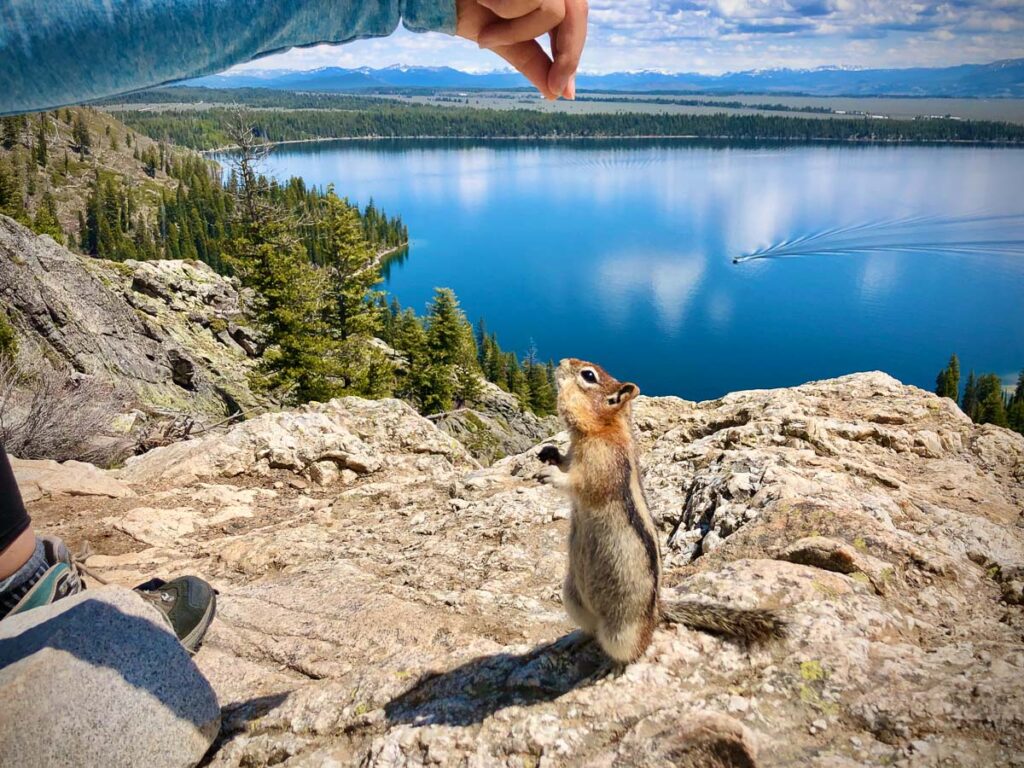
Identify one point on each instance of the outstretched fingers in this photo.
(567, 48)
(529, 27)
(531, 60)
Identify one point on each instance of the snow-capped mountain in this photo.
(998, 79)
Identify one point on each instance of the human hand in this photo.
(510, 29)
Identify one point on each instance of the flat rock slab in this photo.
(97, 679)
(39, 479)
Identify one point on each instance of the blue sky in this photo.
(714, 36)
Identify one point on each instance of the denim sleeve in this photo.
(58, 52)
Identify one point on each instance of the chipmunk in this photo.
(612, 588)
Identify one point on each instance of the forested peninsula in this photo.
(199, 118)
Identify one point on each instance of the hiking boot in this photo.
(60, 580)
(187, 603)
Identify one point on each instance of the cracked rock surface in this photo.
(385, 601)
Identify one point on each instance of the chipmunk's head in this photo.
(589, 398)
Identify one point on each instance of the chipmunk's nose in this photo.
(564, 369)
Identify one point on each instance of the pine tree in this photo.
(541, 397)
(482, 343)
(1015, 411)
(41, 146)
(12, 199)
(12, 130)
(80, 135)
(517, 383)
(299, 363)
(353, 314)
(991, 406)
(947, 383)
(453, 372)
(969, 403)
(349, 262)
(46, 222)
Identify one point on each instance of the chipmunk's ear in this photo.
(625, 393)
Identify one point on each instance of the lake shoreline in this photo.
(680, 137)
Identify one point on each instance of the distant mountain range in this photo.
(1000, 79)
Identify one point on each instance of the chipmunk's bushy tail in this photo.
(755, 625)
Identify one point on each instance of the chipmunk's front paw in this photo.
(550, 454)
(548, 475)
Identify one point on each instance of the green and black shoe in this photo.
(60, 579)
(187, 603)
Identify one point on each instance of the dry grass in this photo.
(53, 413)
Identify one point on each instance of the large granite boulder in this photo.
(98, 680)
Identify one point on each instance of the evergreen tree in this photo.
(12, 130)
(1015, 413)
(969, 403)
(80, 135)
(516, 382)
(41, 145)
(46, 222)
(353, 312)
(453, 372)
(991, 406)
(947, 383)
(12, 199)
(541, 395)
(299, 361)
(481, 343)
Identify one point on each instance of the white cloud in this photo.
(720, 35)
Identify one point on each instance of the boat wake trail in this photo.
(976, 234)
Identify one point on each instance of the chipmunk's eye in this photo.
(589, 376)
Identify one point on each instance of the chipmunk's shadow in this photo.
(485, 685)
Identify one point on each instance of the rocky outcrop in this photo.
(495, 425)
(408, 613)
(169, 333)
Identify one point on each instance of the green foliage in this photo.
(8, 339)
(947, 383)
(80, 134)
(541, 396)
(45, 221)
(983, 397)
(114, 227)
(991, 406)
(11, 130)
(452, 371)
(12, 190)
(41, 142)
(352, 308)
(299, 359)
(1015, 410)
(969, 403)
(289, 116)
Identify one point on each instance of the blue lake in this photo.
(878, 257)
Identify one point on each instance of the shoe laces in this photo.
(78, 563)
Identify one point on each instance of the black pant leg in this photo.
(13, 517)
